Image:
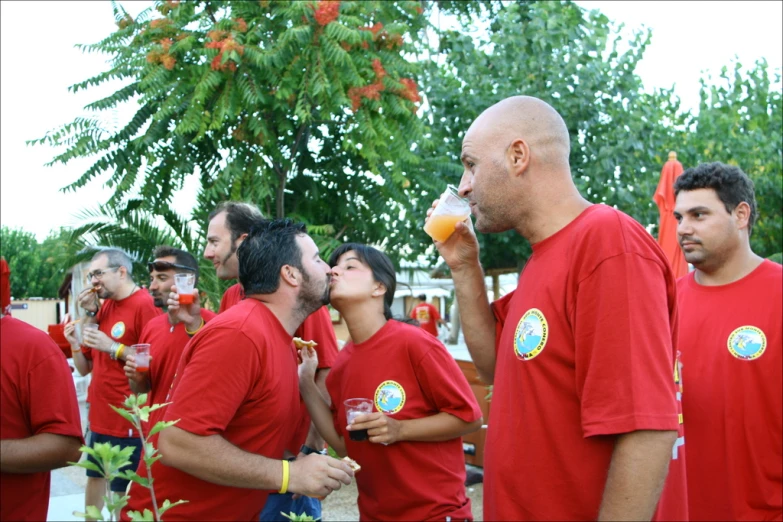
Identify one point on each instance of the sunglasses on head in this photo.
(161, 266)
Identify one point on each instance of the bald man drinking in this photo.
(582, 355)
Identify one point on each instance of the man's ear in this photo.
(290, 275)
(240, 239)
(518, 157)
(742, 214)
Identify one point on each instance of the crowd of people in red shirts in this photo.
(619, 391)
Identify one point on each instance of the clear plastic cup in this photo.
(354, 408)
(141, 352)
(451, 210)
(185, 285)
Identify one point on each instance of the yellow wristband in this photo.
(74, 351)
(284, 487)
(120, 351)
(194, 332)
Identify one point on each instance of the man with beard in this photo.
(168, 333)
(236, 393)
(229, 224)
(732, 351)
(125, 310)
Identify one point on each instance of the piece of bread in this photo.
(354, 465)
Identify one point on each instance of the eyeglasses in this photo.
(98, 274)
(160, 266)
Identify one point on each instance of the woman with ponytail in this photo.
(412, 463)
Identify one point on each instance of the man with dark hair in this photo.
(168, 333)
(731, 343)
(582, 354)
(121, 316)
(40, 429)
(236, 390)
(427, 316)
(229, 225)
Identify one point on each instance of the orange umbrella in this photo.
(667, 229)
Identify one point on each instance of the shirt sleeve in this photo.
(318, 327)
(53, 405)
(624, 353)
(445, 386)
(214, 382)
(435, 314)
(500, 310)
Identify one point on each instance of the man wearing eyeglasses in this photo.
(168, 333)
(121, 310)
(229, 225)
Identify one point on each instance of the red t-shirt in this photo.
(428, 317)
(123, 321)
(237, 378)
(316, 327)
(36, 396)
(731, 345)
(586, 347)
(166, 345)
(409, 375)
(233, 295)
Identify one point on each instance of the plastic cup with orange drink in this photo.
(185, 284)
(451, 210)
(141, 353)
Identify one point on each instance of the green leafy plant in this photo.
(112, 460)
(293, 517)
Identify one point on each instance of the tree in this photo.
(37, 269)
(740, 122)
(315, 101)
(571, 59)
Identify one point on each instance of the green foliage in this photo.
(37, 269)
(309, 110)
(293, 517)
(571, 59)
(111, 460)
(740, 123)
(266, 102)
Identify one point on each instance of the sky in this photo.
(38, 62)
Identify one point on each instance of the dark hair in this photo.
(729, 182)
(116, 258)
(240, 217)
(269, 245)
(422, 297)
(380, 264)
(180, 257)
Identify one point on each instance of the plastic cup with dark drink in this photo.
(354, 408)
(185, 284)
(142, 354)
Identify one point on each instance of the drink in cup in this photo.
(451, 209)
(185, 283)
(354, 408)
(85, 327)
(142, 354)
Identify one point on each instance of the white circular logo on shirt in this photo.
(118, 330)
(747, 343)
(531, 335)
(389, 397)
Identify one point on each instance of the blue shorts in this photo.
(277, 504)
(118, 485)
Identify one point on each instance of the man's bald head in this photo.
(530, 119)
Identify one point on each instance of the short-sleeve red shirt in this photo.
(123, 321)
(586, 348)
(237, 378)
(732, 363)
(36, 396)
(428, 317)
(409, 375)
(316, 327)
(166, 345)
